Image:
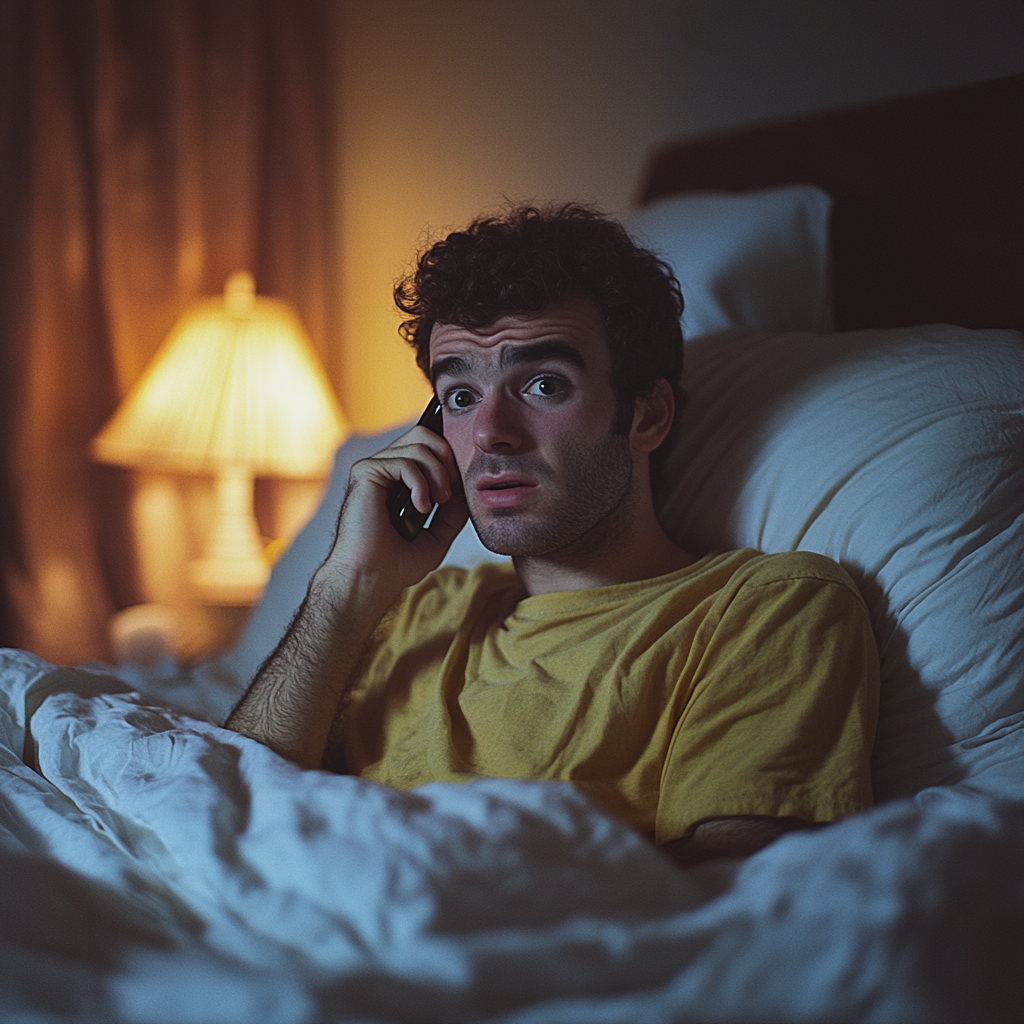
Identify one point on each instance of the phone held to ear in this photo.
(405, 517)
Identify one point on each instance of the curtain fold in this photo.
(15, 193)
(153, 149)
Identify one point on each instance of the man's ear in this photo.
(652, 418)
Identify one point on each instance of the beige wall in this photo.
(445, 107)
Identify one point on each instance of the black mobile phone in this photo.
(405, 517)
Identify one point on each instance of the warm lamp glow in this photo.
(236, 390)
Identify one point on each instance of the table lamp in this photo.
(235, 391)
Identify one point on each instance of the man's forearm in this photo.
(293, 699)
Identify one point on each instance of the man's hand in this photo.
(367, 545)
(736, 836)
(293, 700)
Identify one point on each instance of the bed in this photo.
(156, 867)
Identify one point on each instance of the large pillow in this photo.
(900, 454)
(745, 259)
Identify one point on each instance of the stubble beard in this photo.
(588, 513)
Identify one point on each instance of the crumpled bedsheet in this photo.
(157, 868)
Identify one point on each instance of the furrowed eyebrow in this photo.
(448, 366)
(535, 352)
(540, 350)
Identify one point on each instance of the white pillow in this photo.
(900, 454)
(745, 259)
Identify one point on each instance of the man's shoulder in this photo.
(757, 569)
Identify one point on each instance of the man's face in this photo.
(528, 411)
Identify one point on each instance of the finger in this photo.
(449, 520)
(419, 485)
(382, 473)
(437, 444)
(438, 474)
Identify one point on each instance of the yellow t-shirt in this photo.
(742, 684)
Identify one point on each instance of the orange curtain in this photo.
(151, 148)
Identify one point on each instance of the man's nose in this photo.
(497, 424)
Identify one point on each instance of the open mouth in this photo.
(504, 492)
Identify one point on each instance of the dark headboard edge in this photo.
(928, 224)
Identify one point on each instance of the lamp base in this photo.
(227, 583)
(232, 570)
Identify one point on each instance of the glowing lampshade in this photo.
(236, 391)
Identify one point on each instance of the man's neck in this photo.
(631, 546)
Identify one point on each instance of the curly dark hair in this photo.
(529, 257)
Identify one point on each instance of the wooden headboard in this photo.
(928, 224)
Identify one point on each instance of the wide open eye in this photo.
(459, 399)
(545, 387)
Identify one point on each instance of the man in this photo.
(713, 703)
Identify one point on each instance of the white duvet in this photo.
(158, 868)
